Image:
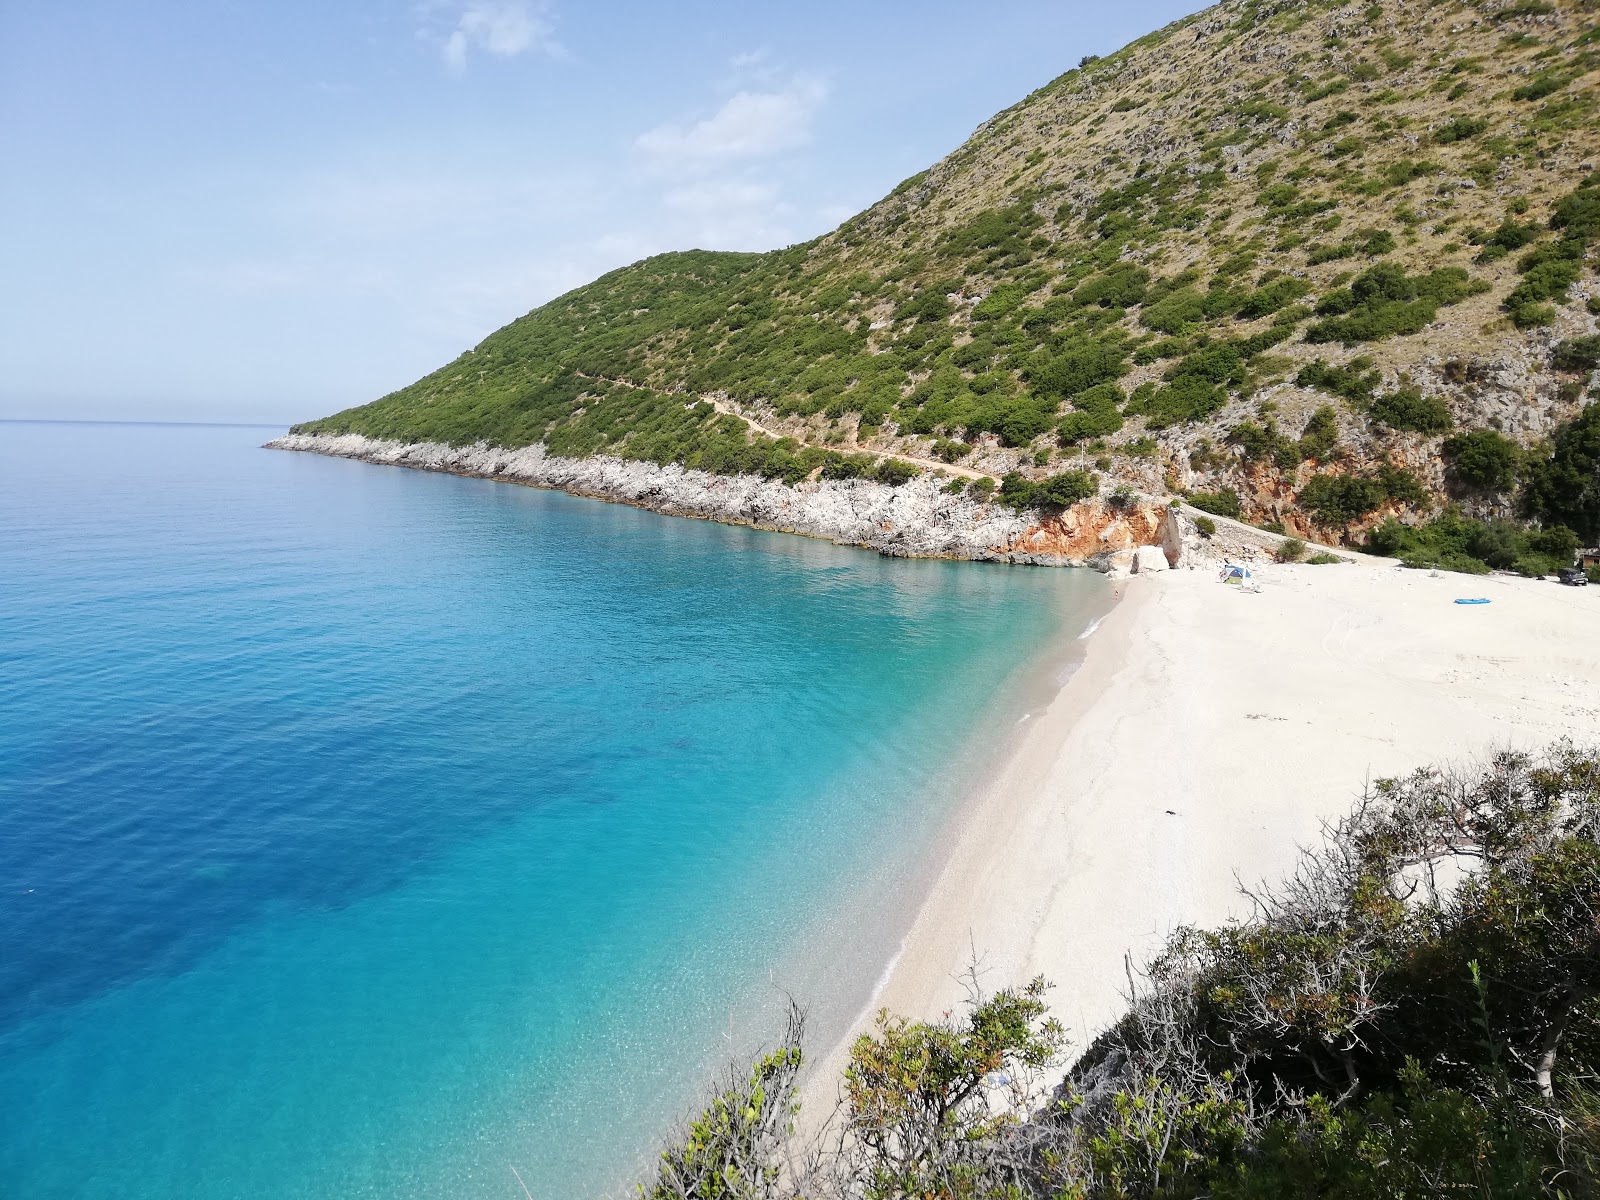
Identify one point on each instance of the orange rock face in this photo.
(1090, 529)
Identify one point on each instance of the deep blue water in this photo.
(367, 833)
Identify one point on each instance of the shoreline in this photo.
(921, 978)
(1207, 736)
(1010, 722)
(919, 519)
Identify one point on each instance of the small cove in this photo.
(367, 832)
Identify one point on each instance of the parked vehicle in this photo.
(1573, 576)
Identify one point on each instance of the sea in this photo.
(367, 832)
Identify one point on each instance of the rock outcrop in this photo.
(919, 519)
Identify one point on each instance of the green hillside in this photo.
(1329, 262)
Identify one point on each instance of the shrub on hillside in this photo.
(1577, 354)
(1384, 301)
(1481, 459)
(1055, 491)
(1407, 408)
(1341, 499)
(1549, 271)
(1223, 502)
(1355, 381)
(894, 472)
(1565, 488)
(1096, 413)
(1344, 499)
(1320, 438)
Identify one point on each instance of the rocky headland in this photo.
(919, 519)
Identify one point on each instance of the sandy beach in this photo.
(1205, 737)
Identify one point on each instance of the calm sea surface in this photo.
(368, 833)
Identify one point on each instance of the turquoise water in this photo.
(368, 833)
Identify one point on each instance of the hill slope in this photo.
(1318, 263)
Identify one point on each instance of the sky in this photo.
(268, 210)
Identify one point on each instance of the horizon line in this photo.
(89, 421)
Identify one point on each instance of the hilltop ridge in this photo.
(1317, 265)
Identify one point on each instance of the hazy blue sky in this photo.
(273, 209)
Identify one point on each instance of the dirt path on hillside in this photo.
(728, 410)
(934, 464)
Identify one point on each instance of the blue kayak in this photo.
(1475, 600)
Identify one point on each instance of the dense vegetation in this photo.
(1275, 250)
(1412, 1014)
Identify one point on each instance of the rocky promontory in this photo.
(918, 519)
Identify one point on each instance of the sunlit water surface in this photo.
(369, 833)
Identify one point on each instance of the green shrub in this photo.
(1077, 369)
(1322, 558)
(995, 233)
(1453, 542)
(1341, 499)
(1320, 438)
(1511, 235)
(734, 1148)
(1271, 298)
(1205, 526)
(1056, 491)
(1407, 408)
(1355, 381)
(930, 305)
(1459, 129)
(1482, 459)
(1223, 502)
(848, 466)
(1564, 489)
(1122, 287)
(1368, 242)
(1291, 550)
(981, 488)
(1175, 313)
(1548, 272)
(1096, 413)
(1577, 354)
(1546, 83)
(1184, 400)
(1258, 443)
(1384, 301)
(894, 472)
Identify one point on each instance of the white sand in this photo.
(1250, 717)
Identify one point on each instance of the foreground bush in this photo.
(1052, 492)
(1411, 1014)
(1452, 542)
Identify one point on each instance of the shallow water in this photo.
(366, 832)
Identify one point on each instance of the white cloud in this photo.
(749, 124)
(504, 28)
